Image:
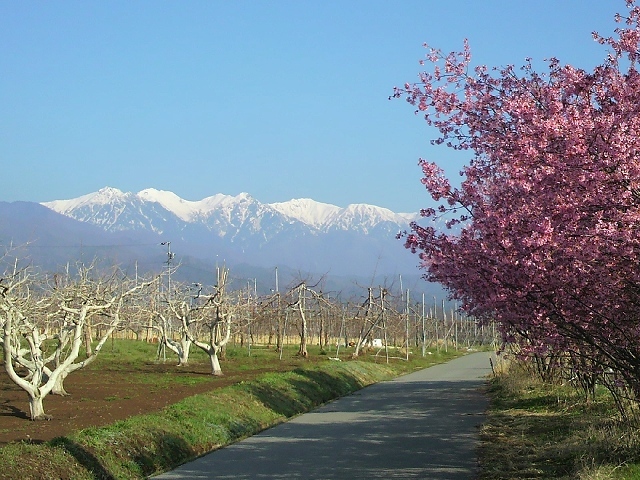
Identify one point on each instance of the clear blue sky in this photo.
(280, 99)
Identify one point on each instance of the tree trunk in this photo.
(88, 337)
(303, 335)
(58, 386)
(279, 328)
(183, 354)
(215, 363)
(279, 334)
(181, 348)
(36, 408)
(303, 327)
(303, 341)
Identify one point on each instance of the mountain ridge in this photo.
(300, 233)
(306, 210)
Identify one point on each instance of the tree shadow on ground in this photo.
(7, 410)
(307, 390)
(84, 457)
(163, 452)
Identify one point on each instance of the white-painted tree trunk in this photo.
(36, 408)
(215, 363)
(303, 333)
(58, 386)
(183, 356)
(181, 348)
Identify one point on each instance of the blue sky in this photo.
(280, 99)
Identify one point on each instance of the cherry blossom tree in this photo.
(546, 216)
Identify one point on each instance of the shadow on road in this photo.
(418, 426)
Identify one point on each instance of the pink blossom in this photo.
(549, 205)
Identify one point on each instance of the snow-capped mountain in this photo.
(307, 211)
(113, 209)
(300, 233)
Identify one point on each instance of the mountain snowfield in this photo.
(301, 234)
(317, 215)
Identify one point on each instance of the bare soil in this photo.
(102, 396)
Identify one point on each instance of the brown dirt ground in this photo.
(97, 399)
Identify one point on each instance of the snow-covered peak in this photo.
(103, 196)
(241, 198)
(160, 196)
(307, 211)
(214, 201)
(363, 217)
(364, 210)
(183, 209)
(189, 210)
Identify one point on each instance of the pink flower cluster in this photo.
(549, 243)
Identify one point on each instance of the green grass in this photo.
(35, 462)
(537, 431)
(143, 445)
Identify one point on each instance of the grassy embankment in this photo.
(159, 441)
(537, 431)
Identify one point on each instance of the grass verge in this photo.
(144, 445)
(537, 431)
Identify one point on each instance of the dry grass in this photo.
(537, 431)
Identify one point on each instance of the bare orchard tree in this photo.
(305, 300)
(215, 317)
(94, 302)
(180, 346)
(270, 312)
(298, 301)
(20, 311)
(372, 316)
(29, 319)
(185, 314)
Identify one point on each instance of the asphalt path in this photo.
(422, 425)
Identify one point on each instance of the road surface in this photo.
(422, 425)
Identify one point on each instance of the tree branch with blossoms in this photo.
(549, 204)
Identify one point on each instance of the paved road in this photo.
(422, 425)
